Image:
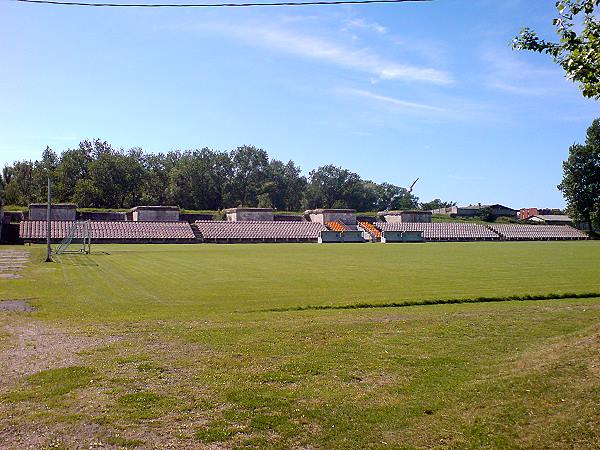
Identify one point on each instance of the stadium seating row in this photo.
(336, 226)
(443, 231)
(33, 230)
(113, 231)
(369, 228)
(259, 230)
(537, 232)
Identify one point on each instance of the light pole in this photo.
(49, 223)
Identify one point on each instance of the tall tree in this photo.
(199, 178)
(72, 167)
(156, 179)
(42, 170)
(250, 173)
(135, 176)
(284, 186)
(394, 197)
(578, 49)
(333, 187)
(115, 178)
(328, 186)
(19, 183)
(581, 178)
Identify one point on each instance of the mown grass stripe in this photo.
(439, 301)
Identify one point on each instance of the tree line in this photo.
(581, 179)
(97, 175)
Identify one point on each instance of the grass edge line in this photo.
(439, 301)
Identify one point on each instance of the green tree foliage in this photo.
(581, 178)
(18, 180)
(97, 175)
(157, 168)
(116, 176)
(200, 179)
(393, 197)
(333, 187)
(578, 49)
(436, 203)
(284, 187)
(485, 214)
(250, 174)
(72, 167)
(43, 169)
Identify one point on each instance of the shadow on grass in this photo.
(439, 301)
(75, 260)
(78, 259)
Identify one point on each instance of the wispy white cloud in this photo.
(363, 24)
(334, 53)
(391, 101)
(432, 107)
(508, 73)
(328, 50)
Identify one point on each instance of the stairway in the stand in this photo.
(370, 228)
(197, 233)
(336, 225)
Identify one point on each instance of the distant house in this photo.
(526, 213)
(407, 216)
(552, 219)
(497, 210)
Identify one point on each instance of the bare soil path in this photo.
(12, 262)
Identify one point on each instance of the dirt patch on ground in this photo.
(15, 306)
(28, 347)
(147, 364)
(578, 348)
(10, 276)
(34, 347)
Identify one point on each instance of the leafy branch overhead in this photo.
(578, 49)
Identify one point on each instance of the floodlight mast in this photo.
(412, 185)
(408, 191)
(49, 223)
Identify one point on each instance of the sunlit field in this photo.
(305, 346)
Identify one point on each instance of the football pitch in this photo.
(468, 345)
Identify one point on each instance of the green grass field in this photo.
(213, 346)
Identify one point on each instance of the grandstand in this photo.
(112, 232)
(518, 232)
(259, 231)
(288, 231)
(258, 225)
(443, 231)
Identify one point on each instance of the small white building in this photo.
(552, 219)
(58, 211)
(346, 216)
(155, 213)
(253, 214)
(408, 216)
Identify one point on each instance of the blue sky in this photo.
(393, 92)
